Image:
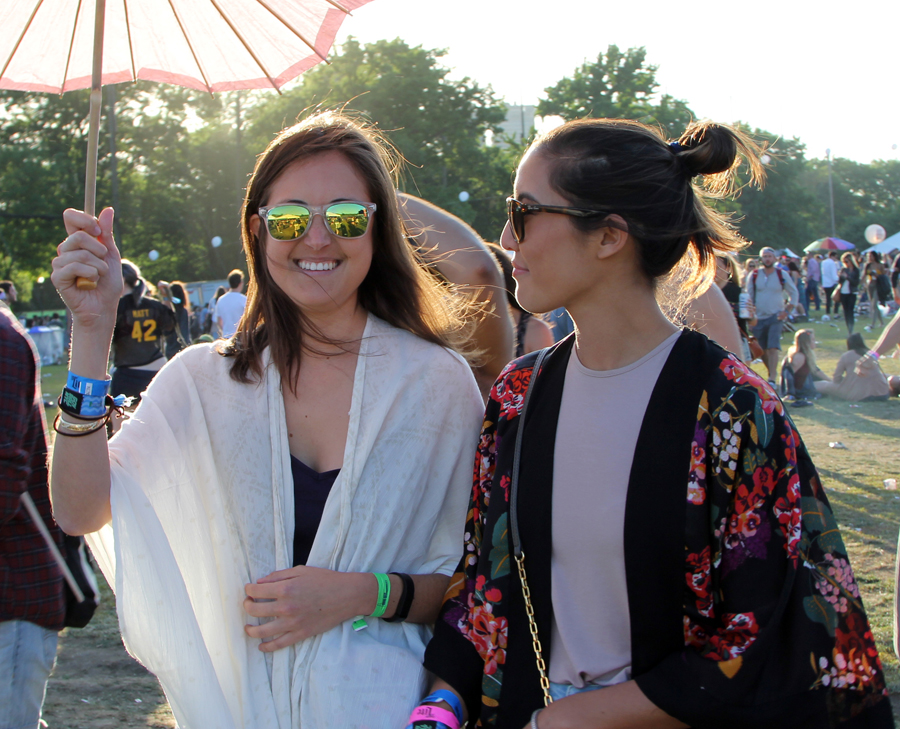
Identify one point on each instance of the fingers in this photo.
(78, 220)
(266, 609)
(79, 256)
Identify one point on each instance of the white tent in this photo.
(887, 245)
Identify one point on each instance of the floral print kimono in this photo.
(743, 606)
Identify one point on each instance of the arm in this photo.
(457, 251)
(623, 706)
(79, 472)
(306, 601)
(711, 314)
(17, 368)
(793, 296)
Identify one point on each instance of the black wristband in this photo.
(406, 598)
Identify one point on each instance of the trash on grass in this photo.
(838, 444)
(890, 484)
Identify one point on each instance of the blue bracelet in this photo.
(85, 397)
(87, 386)
(448, 696)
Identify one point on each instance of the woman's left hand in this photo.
(305, 601)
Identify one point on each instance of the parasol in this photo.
(829, 244)
(55, 46)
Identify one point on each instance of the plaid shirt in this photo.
(31, 585)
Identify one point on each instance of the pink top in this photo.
(600, 418)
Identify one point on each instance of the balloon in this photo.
(463, 196)
(153, 255)
(875, 234)
(216, 241)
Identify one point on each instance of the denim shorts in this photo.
(27, 654)
(768, 332)
(561, 690)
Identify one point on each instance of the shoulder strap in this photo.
(517, 453)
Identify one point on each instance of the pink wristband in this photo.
(427, 712)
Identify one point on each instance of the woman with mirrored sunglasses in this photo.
(280, 516)
(648, 543)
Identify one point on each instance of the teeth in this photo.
(313, 266)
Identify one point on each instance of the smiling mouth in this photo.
(317, 265)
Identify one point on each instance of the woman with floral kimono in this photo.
(683, 566)
(280, 516)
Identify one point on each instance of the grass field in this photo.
(97, 685)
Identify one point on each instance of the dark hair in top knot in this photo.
(629, 169)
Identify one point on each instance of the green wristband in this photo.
(384, 594)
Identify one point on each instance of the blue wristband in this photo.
(87, 386)
(448, 696)
(84, 396)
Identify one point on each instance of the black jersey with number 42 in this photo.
(141, 330)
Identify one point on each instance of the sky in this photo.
(825, 73)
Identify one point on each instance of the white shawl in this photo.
(202, 504)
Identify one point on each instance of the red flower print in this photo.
(736, 636)
(509, 391)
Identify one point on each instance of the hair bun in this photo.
(707, 148)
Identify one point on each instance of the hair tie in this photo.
(675, 148)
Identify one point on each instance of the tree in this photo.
(437, 124)
(786, 212)
(616, 86)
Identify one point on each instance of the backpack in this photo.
(756, 273)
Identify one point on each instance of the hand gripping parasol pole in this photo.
(90, 178)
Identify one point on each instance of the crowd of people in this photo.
(291, 520)
(774, 292)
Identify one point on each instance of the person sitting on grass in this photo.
(799, 370)
(847, 385)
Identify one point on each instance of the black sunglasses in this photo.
(516, 211)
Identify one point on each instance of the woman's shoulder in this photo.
(411, 350)
(735, 383)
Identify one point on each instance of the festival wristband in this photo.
(384, 594)
(434, 713)
(85, 396)
(87, 386)
(448, 696)
(872, 354)
(82, 406)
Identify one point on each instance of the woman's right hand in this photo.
(89, 252)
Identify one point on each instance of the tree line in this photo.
(183, 157)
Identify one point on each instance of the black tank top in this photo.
(141, 330)
(311, 489)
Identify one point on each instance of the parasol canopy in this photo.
(829, 244)
(212, 45)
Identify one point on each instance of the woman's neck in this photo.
(618, 325)
(337, 333)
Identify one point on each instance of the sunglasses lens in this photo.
(288, 222)
(516, 219)
(347, 220)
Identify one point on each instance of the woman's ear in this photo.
(613, 237)
(253, 224)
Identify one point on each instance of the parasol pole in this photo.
(90, 178)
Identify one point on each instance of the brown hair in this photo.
(628, 168)
(396, 288)
(848, 257)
